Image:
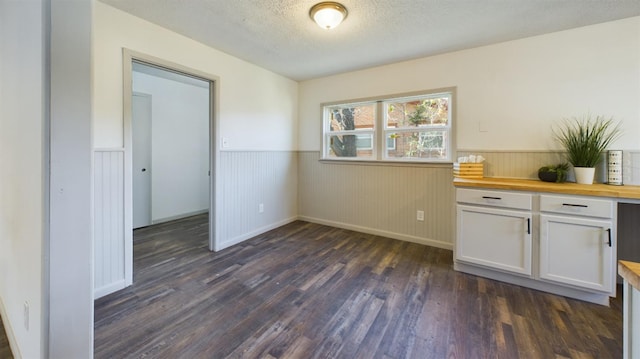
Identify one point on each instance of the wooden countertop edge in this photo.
(597, 190)
(631, 272)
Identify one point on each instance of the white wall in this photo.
(515, 90)
(70, 261)
(257, 108)
(180, 146)
(256, 111)
(45, 243)
(22, 159)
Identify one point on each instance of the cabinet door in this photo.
(577, 251)
(494, 238)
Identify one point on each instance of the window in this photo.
(410, 128)
(349, 131)
(421, 127)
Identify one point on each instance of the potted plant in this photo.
(554, 173)
(585, 139)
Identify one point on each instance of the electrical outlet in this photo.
(26, 315)
(261, 208)
(420, 216)
(225, 142)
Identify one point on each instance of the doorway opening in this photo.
(170, 148)
(170, 134)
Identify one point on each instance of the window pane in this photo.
(364, 142)
(352, 117)
(350, 146)
(432, 111)
(419, 144)
(391, 143)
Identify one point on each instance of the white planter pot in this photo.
(584, 175)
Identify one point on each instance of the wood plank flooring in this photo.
(5, 349)
(311, 291)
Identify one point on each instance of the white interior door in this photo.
(141, 132)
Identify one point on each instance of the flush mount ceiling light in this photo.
(328, 14)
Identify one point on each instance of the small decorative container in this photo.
(468, 170)
(548, 176)
(614, 167)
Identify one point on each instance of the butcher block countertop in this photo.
(597, 190)
(631, 272)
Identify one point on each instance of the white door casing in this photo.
(215, 201)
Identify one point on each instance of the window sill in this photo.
(388, 163)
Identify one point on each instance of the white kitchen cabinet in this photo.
(495, 238)
(577, 252)
(630, 321)
(494, 230)
(630, 272)
(562, 244)
(576, 248)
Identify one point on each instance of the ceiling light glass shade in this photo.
(328, 14)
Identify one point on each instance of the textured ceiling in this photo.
(279, 35)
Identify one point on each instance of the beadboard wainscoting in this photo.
(515, 164)
(108, 226)
(631, 167)
(525, 164)
(249, 178)
(252, 178)
(376, 198)
(379, 198)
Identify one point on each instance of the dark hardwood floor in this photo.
(311, 291)
(5, 349)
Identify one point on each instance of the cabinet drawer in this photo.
(494, 198)
(579, 206)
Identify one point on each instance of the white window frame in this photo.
(380, 132)
(327, 133)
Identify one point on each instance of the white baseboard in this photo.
(179, 216)
(254, 233)
(109, 288)
(13, 344)
(377, 232)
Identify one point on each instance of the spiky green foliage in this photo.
(586, 138)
